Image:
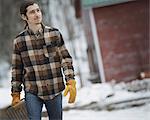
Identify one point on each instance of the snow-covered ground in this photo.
(137, 113)
(96, 93)
(99, 101)
(134, 113)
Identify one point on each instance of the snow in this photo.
(96, 93)
(140, 113)
(93, 93)
(106, 94)
(102, 95)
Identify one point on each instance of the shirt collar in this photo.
(39, 32)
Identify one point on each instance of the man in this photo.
(39, 53)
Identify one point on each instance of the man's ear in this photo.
(24, 17)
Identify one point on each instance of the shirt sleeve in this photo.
(66, 60)
(17, 69)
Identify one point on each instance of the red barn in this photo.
(117, 33)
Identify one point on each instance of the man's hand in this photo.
(71, 88)
(15, 98)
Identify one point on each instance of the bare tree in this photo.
(8, 26)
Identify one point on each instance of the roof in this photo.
(100, 3)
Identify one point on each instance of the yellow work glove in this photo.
(15, 98)
(71, 88)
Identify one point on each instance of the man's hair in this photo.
(24, 5)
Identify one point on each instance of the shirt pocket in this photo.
(50, 49)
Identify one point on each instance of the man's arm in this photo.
(66, 60)
(17, 69)
(68, 70)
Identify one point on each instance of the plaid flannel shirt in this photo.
(37, 62)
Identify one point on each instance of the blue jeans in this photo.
(34, 107)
